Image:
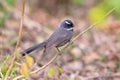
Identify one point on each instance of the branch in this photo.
(39, 69)
(18, 42)
(98, 22)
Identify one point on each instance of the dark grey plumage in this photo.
(59, 38)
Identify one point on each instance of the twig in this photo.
(90, 27)
(39, 69)
(45, 65)
(108, 13)
(18, 42)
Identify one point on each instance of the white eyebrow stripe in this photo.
(69, 29)
(67, 22)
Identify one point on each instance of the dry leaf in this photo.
(25, 71)
(29, 61)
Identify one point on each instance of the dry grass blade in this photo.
(18, 42)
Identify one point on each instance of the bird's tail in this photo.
(29, 50)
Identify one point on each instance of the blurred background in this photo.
(95, 52)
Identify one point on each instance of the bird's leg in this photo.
(44, 51)
(58, 49)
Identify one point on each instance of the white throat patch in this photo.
(69, 29)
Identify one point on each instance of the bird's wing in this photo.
(58, 36)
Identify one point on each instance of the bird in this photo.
(59, 37)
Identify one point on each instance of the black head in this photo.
(67, 24)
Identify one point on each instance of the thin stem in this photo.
(39, 69)
(18, 42)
